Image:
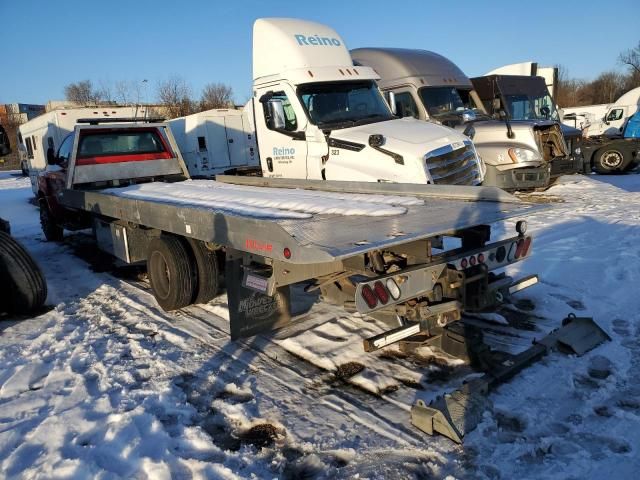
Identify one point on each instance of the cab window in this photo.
(406, 105)
(615, 114)
(290, 121)
(64, 152)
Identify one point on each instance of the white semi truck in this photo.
(40, 137)
(605, 119)
(317, 116)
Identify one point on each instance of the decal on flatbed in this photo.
(257, 245)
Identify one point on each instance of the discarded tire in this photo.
(171, 272)
(24, 289)
(206, 262)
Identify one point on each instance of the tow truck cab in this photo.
(102, 155)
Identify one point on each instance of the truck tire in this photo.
(206, 262)
(24, 287)
(52, 231)
(171, 272)
(609, 160)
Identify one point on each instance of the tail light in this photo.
(519, 248)
(525, 247)
(369, 296)
(381, 292)
(393, 288)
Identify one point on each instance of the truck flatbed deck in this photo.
(365, 222)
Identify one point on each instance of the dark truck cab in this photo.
(526, 99)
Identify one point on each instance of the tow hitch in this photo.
(456, 414)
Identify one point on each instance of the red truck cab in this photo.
(96, 156)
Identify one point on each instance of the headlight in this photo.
(523, 155)
(578, 151)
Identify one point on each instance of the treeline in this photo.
(174, 95)
(606, 88)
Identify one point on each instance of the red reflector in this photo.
(472, 260)
(481, 258)
(525, 247)
(369, 296)
(519, 248)
(287, 253)
(381, 292)
(464, 263)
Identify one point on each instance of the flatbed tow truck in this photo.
(376, 248)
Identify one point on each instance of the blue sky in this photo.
(48, 44)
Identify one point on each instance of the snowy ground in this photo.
(106, 385)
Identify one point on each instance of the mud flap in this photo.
(456, 414)
(252, 312)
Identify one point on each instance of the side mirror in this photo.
(275, 114)
(390, 97)
(51, 157)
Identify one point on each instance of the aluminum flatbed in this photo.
(317, 238)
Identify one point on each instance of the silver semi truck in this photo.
(525, 99)
(518, 155)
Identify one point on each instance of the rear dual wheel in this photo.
(181, 272)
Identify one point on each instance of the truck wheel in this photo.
(608, 160)
(207, 271)
(171, 272)
(24, 287)
(52, 231)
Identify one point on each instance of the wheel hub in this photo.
(612, 159)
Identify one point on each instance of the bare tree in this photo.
(566, 88)
(128, 92)
(607, 87)
(104, 92)
(82, 92)
(175, 95)
(631, 58)
(216, 95)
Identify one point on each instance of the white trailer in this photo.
(216, 141)
(42, 136)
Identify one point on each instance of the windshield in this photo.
(531, 107)
(443, 101)
(343, 104)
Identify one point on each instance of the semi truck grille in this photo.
(454, 166)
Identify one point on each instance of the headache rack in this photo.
(97, 121)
